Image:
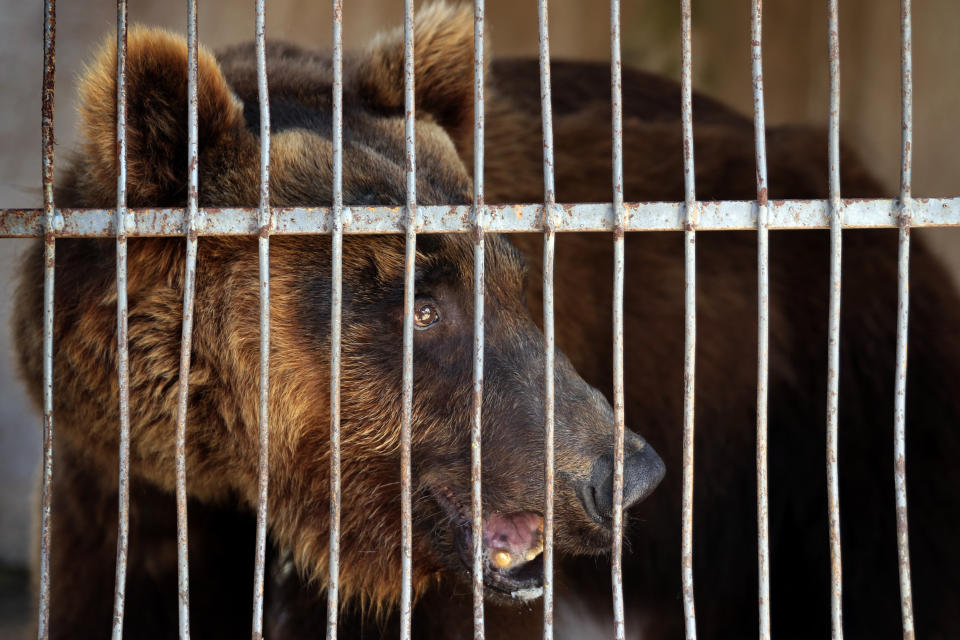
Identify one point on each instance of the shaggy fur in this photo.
(223, 410)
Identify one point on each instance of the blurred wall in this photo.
(795, 78)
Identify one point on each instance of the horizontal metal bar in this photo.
(727, 215)
(653, 216)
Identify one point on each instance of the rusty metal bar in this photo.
(763, 319)
(186, 340)
(903, 312)
(123, 223)
(478, 299)
(265, 224)
(409, 292)
(336, 317)
(616, 565)
(549, 340)
(833, 340)
(900, 401)
(728, 215)
(689, 320)
(50, 225)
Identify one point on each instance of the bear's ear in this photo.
(156, 100)
(443, 68)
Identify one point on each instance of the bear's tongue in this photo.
(512, 539)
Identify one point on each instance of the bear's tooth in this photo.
(534, 551)
(502, 558)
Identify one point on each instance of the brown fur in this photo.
(725, 489)
(222, 419)
(223, 412)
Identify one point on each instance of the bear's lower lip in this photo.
(513, 545)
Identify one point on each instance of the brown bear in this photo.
(725, 562)
(223, 414)
(222, 422)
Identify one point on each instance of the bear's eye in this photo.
(426, 315)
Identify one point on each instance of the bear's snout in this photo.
(642, 472)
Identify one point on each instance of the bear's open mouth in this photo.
(512, 547)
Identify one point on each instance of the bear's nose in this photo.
(642, 472)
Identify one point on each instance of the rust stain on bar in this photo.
(833, 340)
(689, 320)
(336, 317)
(903, 312)
(729, 215)
(49, 259)
(616, 568)
(475, 445)
(763, 320)
(406, 599)
(122, 224)
(478, 300)
(265, 224)
(900, 401)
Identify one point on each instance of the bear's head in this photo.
(223, 415)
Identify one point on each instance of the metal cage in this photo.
(615, 217)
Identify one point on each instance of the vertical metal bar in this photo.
(903, 311)
(616, 568)
(266, 224)
(833, 340)
(549, 242)
(689, 320)
(406, 531)
(49, 76)
(336, 315)
(124, 220)
(763, 319)
(478, 299)
(186, 340)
